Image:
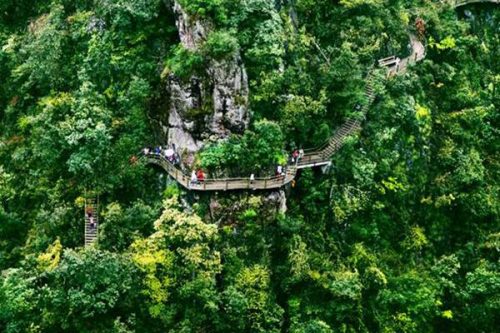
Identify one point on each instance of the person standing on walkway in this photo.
(252, 178)
(200, 175)
(194, 179)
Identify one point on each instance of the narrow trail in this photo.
(312, 157)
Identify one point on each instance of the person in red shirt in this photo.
(201, 175)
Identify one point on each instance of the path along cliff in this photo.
(314, 157)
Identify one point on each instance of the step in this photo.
(344, 131)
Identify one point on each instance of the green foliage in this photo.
(220, 44)
(248, 304)
(255, 152)
(183, 63)
(76, 294)
(119, 227)
(180, 264)
(401, 234)
(481, 294)
(214, 9)
(356, 3)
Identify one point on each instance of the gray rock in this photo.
(276, 200)
(192, 32)
(222, 90)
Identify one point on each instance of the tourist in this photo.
(194, 179)
(201, 175)
(252, 178)
(279, 170)
(170, 155)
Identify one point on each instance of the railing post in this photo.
(265, 183)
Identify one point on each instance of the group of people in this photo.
(297, 154)
(168, 153)
(197, 177)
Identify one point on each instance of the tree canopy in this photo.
(401, 234)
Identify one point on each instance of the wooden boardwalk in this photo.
(314, 157)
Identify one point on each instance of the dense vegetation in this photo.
(402, 235)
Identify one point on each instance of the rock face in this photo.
(208, 106)
(276, 200)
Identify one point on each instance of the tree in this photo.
(249, 303)
(180, 265)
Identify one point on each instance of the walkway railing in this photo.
(458, 3)
(223, 184)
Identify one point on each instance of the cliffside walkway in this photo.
(313, 157)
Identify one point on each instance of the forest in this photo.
(398, 233)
